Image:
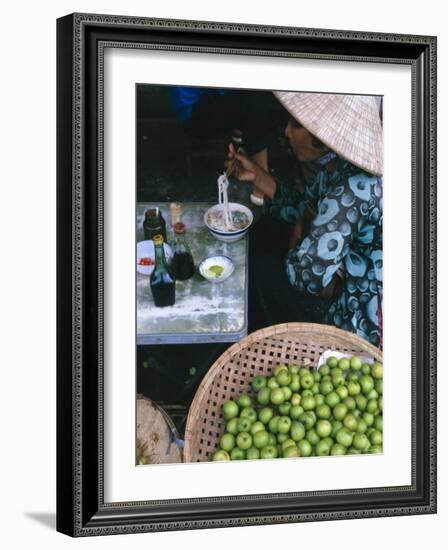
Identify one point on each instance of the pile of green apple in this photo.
(302, 411)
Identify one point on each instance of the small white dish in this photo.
(145, 249)
(216, 268)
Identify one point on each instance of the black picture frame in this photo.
(81, 510)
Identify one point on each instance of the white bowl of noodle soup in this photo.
(242, 219)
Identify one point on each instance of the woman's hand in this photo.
(247, 170)
(240, 165)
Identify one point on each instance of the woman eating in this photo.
(338, 252)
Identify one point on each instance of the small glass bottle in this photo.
(162, 281)
(154, 224)
(182, 264)
(176, 213)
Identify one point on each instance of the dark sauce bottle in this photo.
(162, 281)
(154, 224)
(182, 264)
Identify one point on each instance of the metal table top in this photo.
(204, 312)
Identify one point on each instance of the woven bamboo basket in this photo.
(258, 353)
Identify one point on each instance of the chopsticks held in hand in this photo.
(223, 184)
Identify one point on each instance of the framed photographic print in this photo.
(246, 274)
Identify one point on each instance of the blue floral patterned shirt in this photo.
(346, 232)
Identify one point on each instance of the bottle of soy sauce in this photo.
(162, 282)
(182, 264)
(154, 224)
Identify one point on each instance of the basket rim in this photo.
(267, 332)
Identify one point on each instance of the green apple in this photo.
(277, 396)
(261, 439)
(350, 422)
(244, 401)
(220, 455)
(295, 383)
(326, 387)
(258, 382)
(265, 414)
(295, 399)
(323, 428)
(356, 363)
(306, 380)
(353, 388)
(344, 437)
(291, 452)
(372, 406)
(323, 411)
(342, 391)
(308, 403)
(323, 448)
(332, 398)
(279, 368)
(338, 449)
(244, 425)
(270, 451)
(232, 426)
(257, 426)
(297, 431)
(305, 447)
(244, 441)
(227, 442)
(324, 370)
(230, 410)
(264, 396)
(336, 426)
(377, 370)
(284, 424)
(253, 453)
(376, 438)
(250, 413)
(339, 411)
(350, 402)
(287, 393)
(361, 401)
(284, 408)
(295, 412)
(273, 424)
(283, 378)
(360, 442)
(293, 369)
(367, 383)
(308, 419)
(237, 454)
(313, 436)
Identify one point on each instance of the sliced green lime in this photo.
(217, 270)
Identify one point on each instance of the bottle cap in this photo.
(179, 228)
(152, 212)
(158, 239)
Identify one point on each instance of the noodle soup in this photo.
(242, 219)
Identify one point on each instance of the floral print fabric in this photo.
(345, 236)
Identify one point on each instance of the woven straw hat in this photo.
(349, 124)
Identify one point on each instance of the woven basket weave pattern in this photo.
(258, 353)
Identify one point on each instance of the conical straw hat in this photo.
(349, 124)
